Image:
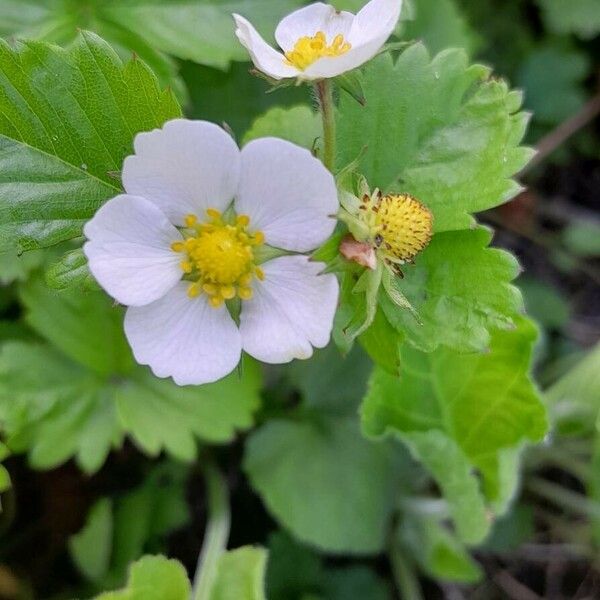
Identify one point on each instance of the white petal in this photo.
(287, 193)
(129, 250)
(375, 20)
(264, 57)
(185, 167)
(309, 20)
(369, 31)
(184, 338)
(291, 311)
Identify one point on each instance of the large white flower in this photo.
(187, 237)
(319, 42)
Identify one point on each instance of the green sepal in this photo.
(351, 83)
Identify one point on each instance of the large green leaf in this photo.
(54, 408)
(80, 396)
(438, 129)
(68, 118)
(198, 30)
(154, 578)
(468, 406)
(460, 289)
(352, 482)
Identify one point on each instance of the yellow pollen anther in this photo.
(219, 256)
(245, 293)
(242, 220)
(308, 50)
(213, 214)
(190, 220)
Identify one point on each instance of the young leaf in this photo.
(353, 482)
(241, 575)
(298, 124)
(81, 395)
(437, 129)
(69, 142)
(153, 578)
(471, 406)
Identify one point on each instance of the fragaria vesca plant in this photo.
(310, 309)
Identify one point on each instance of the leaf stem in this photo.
(407, 581)
(216, 534)
(324, 91)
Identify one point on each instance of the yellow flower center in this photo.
(219, 257)
(399, 225)
(308, 49)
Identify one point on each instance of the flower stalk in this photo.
(216, 534)
(324, 91)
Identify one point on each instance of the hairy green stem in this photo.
(216, 534)
(324, 90)
(407, 581)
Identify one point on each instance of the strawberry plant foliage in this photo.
(80, 393)
(438, 129)
(472, 407)
(67, 121)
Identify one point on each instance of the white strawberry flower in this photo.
(187, 237)
(319, 42)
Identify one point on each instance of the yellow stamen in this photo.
(190, 220)
(308, 50)
(245, 293)
(219, 257)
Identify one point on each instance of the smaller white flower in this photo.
(320, 42)
(187, 236)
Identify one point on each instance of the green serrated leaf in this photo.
(66, 140)
(80, 396)
(159, 414)
(469, 406)
(153, 578)
(241, 575)
(55, 409)
(437, 129)
(352, 481)
(298, 124)
(86, 326)
(460, 290)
